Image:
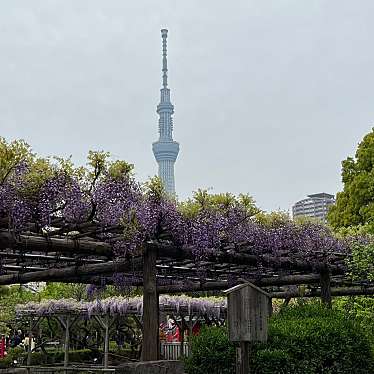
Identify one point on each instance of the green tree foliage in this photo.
(9, 298)
(360, 309)
(154, 189)
(361, 264)
(203, 200)
(100, 165)
(39, 169)
(78, 291)
(355, 204)
(12, 154)
(57, 291)
(273, 219)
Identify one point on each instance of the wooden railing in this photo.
(173, 350)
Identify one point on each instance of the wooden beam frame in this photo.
(338, 291)
(71, 272)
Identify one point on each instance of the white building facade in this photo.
(315, 205)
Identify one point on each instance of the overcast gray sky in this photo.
(269, 96)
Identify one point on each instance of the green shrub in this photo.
(5, 362)
(211, 353)
(267, 359)
(54, 357)
(13, 354)
(321, 340)
(57, 356)
(82, 355)
(359, 308)
(307, 339)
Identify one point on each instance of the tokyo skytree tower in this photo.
(165, 149)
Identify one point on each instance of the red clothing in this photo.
(2, 347)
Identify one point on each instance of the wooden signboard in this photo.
(248, 313)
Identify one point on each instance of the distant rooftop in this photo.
(322, 195)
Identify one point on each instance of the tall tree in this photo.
(355, 204)
(9, 298)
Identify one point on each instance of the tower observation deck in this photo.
(165, 149)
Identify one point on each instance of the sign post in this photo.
(247, 316)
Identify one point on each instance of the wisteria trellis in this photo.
(122, 203)
(225, 241)
(121, 306)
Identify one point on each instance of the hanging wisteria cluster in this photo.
(121, 306)
(13, 205)
(145, 213)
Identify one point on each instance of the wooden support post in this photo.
(190, 329)
(286, 301)
(29, 345)
(105, 325)
(106, 343)
(66, 325)
(243, 366)
(66, 343)
(325, 280)
(151, 344)
(270, 306)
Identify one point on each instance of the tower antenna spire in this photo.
(164, 34)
